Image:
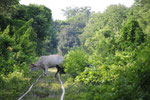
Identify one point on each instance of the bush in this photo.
(13, 86)
(75, 61)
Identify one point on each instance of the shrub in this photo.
(75, 62)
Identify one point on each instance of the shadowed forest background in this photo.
(116, 43)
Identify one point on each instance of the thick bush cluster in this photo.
(75, 62)
(120, 74)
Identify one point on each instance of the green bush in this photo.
(13, 86)
(75, 62)
(6, 55)
(127, 78)
(110, 83)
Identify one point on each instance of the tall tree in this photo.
(131, 35)
(42, 25)
(96, 21)
(70, 12)
(114, 17)
(72, 28)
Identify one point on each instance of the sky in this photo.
(57, 5)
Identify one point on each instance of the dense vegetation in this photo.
(25, 33)
(116, 43)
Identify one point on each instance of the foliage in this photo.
(96, 21)
(42, 25)
(21, 32)
(119, 54)
(97, 41)
(71, 12)
(72, 28)
(67, 39)
(7, 5)
(132, 33)
(116, 43)
(75, 62)
(16, 83)
(113, 17)
(13, 85)
(6, 61)
(118, 80)
(17, 50)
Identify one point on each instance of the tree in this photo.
(131, 33)
(142, 2)
(113, 17)
(42, 25)
(6, 43)
(72, 28)
(96, 21)
(101, 42)
(6, 5)
(71, 12)
(116, 15)
(143, 7)
(68, 38)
